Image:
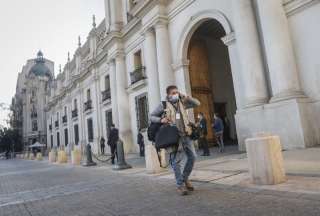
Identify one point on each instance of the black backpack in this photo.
(154, 127)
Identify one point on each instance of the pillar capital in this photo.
(180, 63)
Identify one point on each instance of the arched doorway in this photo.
(211, 77)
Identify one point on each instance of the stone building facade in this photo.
(252, 61)
(29, 102)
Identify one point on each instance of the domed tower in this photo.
(32, 88)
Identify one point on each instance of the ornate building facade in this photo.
(29, 102)
(252, 61)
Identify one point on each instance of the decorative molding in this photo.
(229, 39)
(177, 65)
(295, 6)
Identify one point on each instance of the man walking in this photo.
(140, 141)
(175, 114)
(203, 142)
(102, 145)
(218, 129)
(112, 142)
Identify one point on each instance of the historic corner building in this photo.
(253, 62)
(29, 102)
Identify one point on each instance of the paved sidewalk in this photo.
(222, 188)
(231, 169)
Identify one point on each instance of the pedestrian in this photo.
(218, 129)
(102, 144)
(140, 141)
(112, 142)
(203, 142)
(175, 114)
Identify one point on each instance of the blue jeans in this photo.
(190, 153)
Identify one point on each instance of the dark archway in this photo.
(211, 77)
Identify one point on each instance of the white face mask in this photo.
(174, 98)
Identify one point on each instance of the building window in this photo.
(51, 141)
(75, 104)
(90, 130)
(34, 125)
(66, 137)
(88, 95)
(107, 82)
(142, 111)
(108, 121)
(137, 59)
(58, 139)
(76, 134)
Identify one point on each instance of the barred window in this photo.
(109, 121)
(76, 134)
(142, 111)
(90, 130)
(51, 139)
(58, 139)
(66, 137)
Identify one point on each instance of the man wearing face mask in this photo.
(175, 114)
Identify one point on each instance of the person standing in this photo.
(112, 142)
(140, 141)
(176, 115)
(102, 145)
(203, 142)
(218, 129)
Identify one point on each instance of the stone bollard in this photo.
(52, 156)
(88, 161)
(31, 156)
(121, 162)
(265, 160)
(39, 156)
(163, 158)
(76, 157)
(152, 160)
(62, 157)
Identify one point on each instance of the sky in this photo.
(52, 26)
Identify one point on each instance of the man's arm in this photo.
(155, 116)
(190, 102)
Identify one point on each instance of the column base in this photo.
(295, 121)
(256, 102)
(287, 95)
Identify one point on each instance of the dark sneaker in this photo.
(189, 186)
(182, 191)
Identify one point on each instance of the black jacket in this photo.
(203, 127)
(113, 137)
(140, 139)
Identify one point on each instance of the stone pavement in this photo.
(40, 188)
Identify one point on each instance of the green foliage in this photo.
(10, 139)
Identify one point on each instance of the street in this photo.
(38, 188)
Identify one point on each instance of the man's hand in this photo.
(165, 120)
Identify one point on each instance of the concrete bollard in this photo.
(76, 157)
(265, 160)
(52, 156)
(62, 157)
(39, 156)
(31, 156)
(152, 161)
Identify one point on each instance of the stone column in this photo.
(279, 50)
(164, 56)
(113, 87)
(123, 102)
(253, 74)
(150, 54)
(116, 21)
